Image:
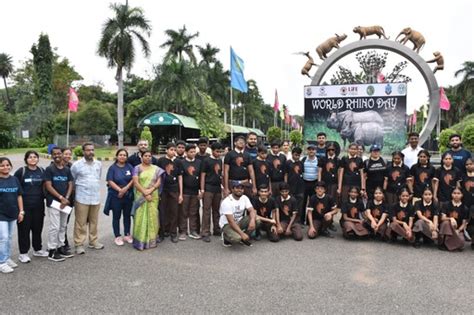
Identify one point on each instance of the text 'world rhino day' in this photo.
(355, 103)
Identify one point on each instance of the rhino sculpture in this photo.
(325, 47)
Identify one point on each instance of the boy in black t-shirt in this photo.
(262, 168)
(327, 170)
(277, 161)
(190, 169)
(287, 214)
(266, 211)
(350, 174)
(294, 177)
(321, 210)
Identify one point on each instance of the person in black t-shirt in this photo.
(277, 161)
(189, 191)
(446, 178)
(374, 170)
(294, 177)
(203, 144)
(454, 215)
(376, 214)
(287, 214)
(238, 166)
(396, 177)
(211, 183)
(350, 173)
(402, 216)
(327, 170)
(180, 150)
(321, 211)
(170, 198)
(136, 158)
(262, 168)
(266, 212)
(422, 173)
(468, 196)
(426, 223)
(352, 221)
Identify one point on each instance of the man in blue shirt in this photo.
(459, 154)
(310, 177)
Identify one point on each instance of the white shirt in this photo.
(411, 155)
(87, 181)
(237, 208)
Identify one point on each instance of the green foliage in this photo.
(465, 122)
(93, 118)
(39, 142)
(77, 151)
(179, 44)
(63, 75)
(22, 143)
(208, 118)
(136, 110)
(88, 93)
(146, 135)
(444, 139)
(43, 150)
(8, 123)
(274, 134)
(468, 138)
(296, 138)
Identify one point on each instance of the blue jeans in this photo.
(118, 205)
(6, 232)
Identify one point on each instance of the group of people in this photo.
(247, 193)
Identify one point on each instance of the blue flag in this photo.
(237, 80)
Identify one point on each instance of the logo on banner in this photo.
(370, 90)
(402, 88)
(308, 91)
(322, 91)
(343, 90)
(388, 89)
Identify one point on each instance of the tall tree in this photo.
(6, 68)
(208, 55)
(117, 46)
(179, 43)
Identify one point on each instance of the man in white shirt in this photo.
(235, 227)
(412, 150)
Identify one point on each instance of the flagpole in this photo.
(231, 122)
(67, 132)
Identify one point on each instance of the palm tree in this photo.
(117, 46)
(179, 42)
(467, 70)
(6, 68)
(208, 54)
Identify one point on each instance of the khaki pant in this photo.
(189, 210)
(85, 215)
(232, 236)
(211, 203)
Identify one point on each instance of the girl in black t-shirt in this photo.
(422, 174)
(468, 195)
(427, 213)
(396, 177)
(350, 173)
(401, 215)
(376, 214)
(352, 221)
(453, 223)
(446, 178)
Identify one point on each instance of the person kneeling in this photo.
(402, 218)
(266, 213)
(287, 213)
(352, 210)
(237, 228)
(426, 225)
(320, 212)
(453, 223)
(376, 215)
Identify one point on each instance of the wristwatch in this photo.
(22, 212)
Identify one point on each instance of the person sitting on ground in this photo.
(426, 225)
(321, 211)
(287, 214)
(402, 216)
(376, 214)
(454, 217)
(352, 222)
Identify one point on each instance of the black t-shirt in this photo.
(202, 157)
(190, 171)
(428, 211)
(352, 167)
(238, 165)
(32, 184)
(377, 210)
(294, 169)
(375, 171)
(422, 177)
(287, 208)
(447, 182)
(10, 189)
(59, 178)
(213, 169)
(329, 167)
(397, 177)
(172, 170)
(353, 210)
(459, 213)
(277, 167)
(321, 206)
(262, 172)
(468, 190)
(135, 159)
(401, 213)
(264, 209)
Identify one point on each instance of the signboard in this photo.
(363, 113)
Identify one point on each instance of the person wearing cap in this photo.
(327, 170)
(236, 227)
(277, 161)
(287, 214)
(321, 210)
(374, 170)
(321, 147)
(412, 150)
(310, 177)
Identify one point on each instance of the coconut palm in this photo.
(179, 43)
(208, 55)
(117, 46)
(6, 68)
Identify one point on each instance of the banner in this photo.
(363, 113)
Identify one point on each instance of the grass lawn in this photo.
(99, 152)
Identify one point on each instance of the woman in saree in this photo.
(146, 180)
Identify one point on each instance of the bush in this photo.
(444, 139)
(468, 138)
(43, 150)
(77, 151)
(39, 142)
(296, 138)
(146, 135)
(22, 143)
(274, 134)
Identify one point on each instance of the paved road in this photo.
(312, 276)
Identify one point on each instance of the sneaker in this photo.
(118, 241)
(40, 253)
(11, 263)
(257, 237)
(160, 239)
(67, 247)
(80, 250)
(4, 268)
(326, 234)
(467, 236)
(206, 238)
(64, 252)
(166, 234)
(182, 237)
(246, 243)
(194, 235)
(417, 244)
(24, 258)
(97, 246)
(128, 239)
(55, 256)
(226, 243)
(174, 238)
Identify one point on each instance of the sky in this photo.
(265, 34)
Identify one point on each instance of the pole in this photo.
(231, 122)
(243, 116)
(67, 131)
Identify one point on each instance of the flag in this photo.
(276, 105)
(282, 113)
(443, 100)
(424, 111)
(73, 100)
(287, 117)
(237, 80)
(413, 118)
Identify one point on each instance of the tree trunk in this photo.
(8, 107)
(120, 131)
